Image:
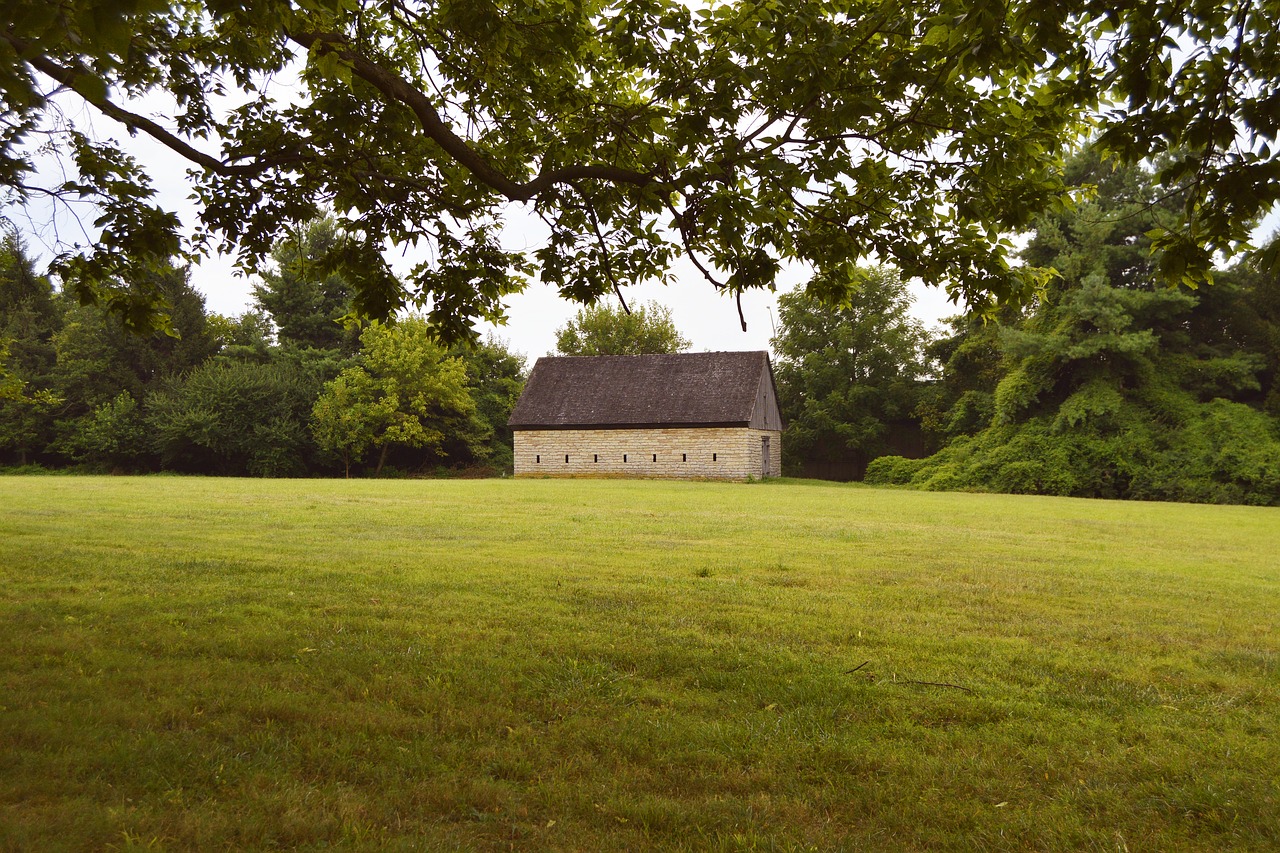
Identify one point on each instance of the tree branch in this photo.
(388, 83)
(688, 248)
(69, 76)
(396, 88)
(426, 189)
(604, 246)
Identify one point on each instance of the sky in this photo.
(709, 320)
(706, 318)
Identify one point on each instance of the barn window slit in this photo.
(624, 457)
(713, 457)
(684, 457)
(538, 458)
(566, 459)
(595, 457)
(655, 457)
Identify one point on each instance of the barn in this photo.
(711, 415)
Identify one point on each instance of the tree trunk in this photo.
(382, 458)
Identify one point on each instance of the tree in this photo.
(742, 135)
(114, 435)
(97, 359)
(23, 411)
(605, 330)
(846, 375)
(243, 337)
(350, 415)
(1115, 386)
(495, 376)
(30, 316)
(406, 391)
(305, 302)
(29, 310)
(1245, 309)
(971, 363)
(234, 418)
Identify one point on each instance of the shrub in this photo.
(236, 418)
(1219, 452)
(891, 470)
(1228, 453)
(113, 435)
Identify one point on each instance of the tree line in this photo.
(285, 389)
(293, 387)
(1109, 384)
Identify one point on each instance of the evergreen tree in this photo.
(1115, 386)
(30, 312)
(1243, 307)
(962, 400)
(98, 359)
(30, 317)
(304, 298)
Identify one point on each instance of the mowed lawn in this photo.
(605, 665)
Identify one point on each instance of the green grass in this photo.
(612, 665)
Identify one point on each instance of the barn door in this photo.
(764, 457)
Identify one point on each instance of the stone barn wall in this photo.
(712, 453)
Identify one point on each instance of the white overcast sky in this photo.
(707, 319)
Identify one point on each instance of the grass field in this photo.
(609, 665)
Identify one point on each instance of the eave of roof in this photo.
(653, 391)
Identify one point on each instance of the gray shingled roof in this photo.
(641, 390)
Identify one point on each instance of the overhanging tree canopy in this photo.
(742, 135)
